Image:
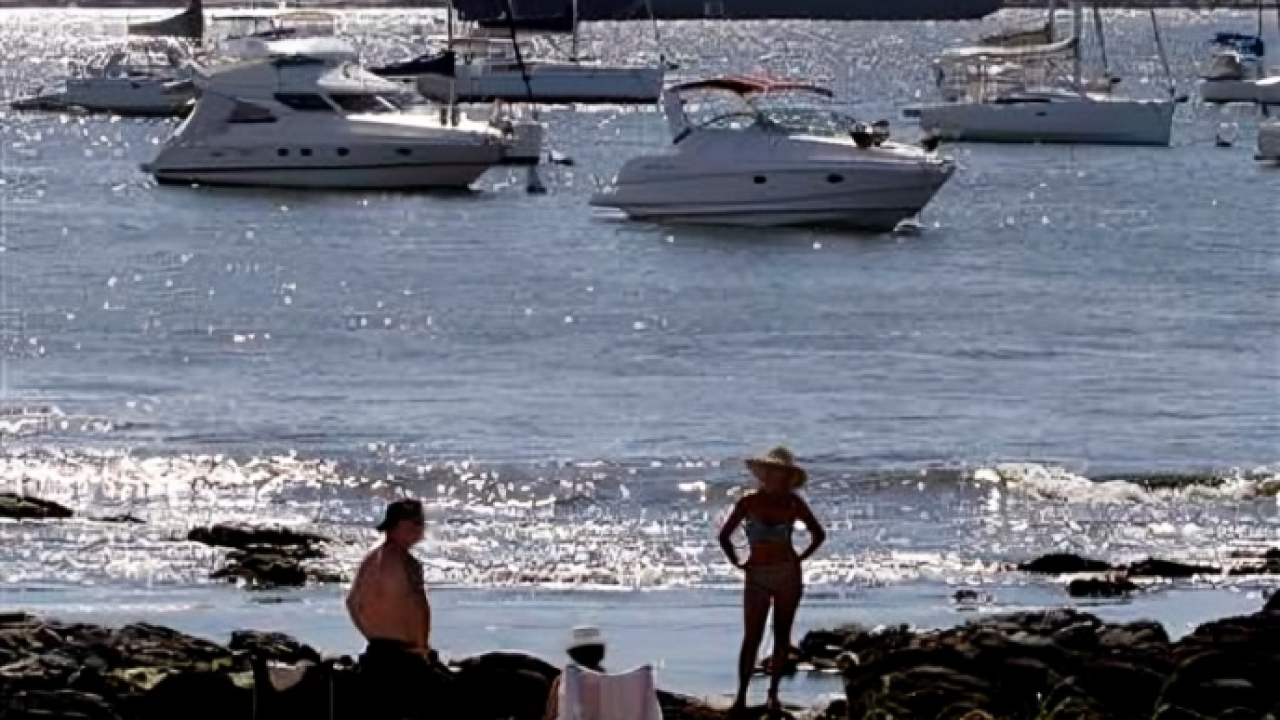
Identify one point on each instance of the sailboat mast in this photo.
(1164, 57)
(1077, 29)
(1051, 27)
(1102, 41)
(573, 52)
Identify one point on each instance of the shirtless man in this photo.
(388, 605)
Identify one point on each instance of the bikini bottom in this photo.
(775, 578)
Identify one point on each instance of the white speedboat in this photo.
(766, 163)
(1232, 77)
(307, 122)
(1269, 142)
(1237, 73)
(127, 78)
(1016, 95)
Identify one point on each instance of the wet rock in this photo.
(1101, 588)
(263, 570)
(1152, 567)
(56, 704)
(28, 507)
(1064, 564)
(272, 646)
(247, 537)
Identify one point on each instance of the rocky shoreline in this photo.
(50, 670)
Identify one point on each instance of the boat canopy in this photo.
(187, 24)
(1241, 43)
(1010, 53)
(750, 85)
(1042, 35)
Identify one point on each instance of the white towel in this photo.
(588, 695)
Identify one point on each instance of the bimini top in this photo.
(750, 85)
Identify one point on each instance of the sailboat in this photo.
(1237, 72)
(481, 67)
(1016, 95)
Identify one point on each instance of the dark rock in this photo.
(1063, 564)
(1152, 567)
(1273, 604)
(197, 695)
(273, 646)
(1081, 636)
(126, 519)
(55, 705)
(1173, 712)
(245, 537)
(28, 507)
(1100, 588)
(262, 571)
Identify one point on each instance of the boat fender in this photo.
(862, 135)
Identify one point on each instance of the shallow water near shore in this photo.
(1078, 353)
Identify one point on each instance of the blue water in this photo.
(573, 392)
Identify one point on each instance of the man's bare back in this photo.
(388, 600)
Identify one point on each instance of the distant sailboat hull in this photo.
(142, 97)
(549, 82)
(1075, 121)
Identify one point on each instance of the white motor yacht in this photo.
(1269, 142)
(767, 159)
(311, 122)
(249, 35)
(1016, 95)
(127, 78)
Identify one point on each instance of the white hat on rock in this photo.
(584, 636)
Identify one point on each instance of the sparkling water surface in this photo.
(573, 392)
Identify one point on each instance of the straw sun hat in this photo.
(781, 457)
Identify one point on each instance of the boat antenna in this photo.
(533, 183)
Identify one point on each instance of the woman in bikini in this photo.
(772, 569)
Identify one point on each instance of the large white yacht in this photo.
(313, 122)
(127, 78)
(1017, 94)
(775, 154)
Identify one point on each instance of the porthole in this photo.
(282, 152)
(305, 152)
(403, 151)
(343, 152)
(833, 179)
(759, 180)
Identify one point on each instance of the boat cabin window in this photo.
(247, 113)
(363, 104)
(306, 102)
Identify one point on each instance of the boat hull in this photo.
(548, 83)
(870, 200)
(117, 97)
(1098, 122)
(398, 177)
(1265, 91)
(594, 10)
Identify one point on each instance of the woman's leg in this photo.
(786, 600)
(755, 613)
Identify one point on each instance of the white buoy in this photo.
(1226, 135)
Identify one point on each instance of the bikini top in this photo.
(759, 531)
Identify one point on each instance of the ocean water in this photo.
(1078, 352)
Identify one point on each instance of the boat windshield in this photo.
(783, 113)
(363, 104)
